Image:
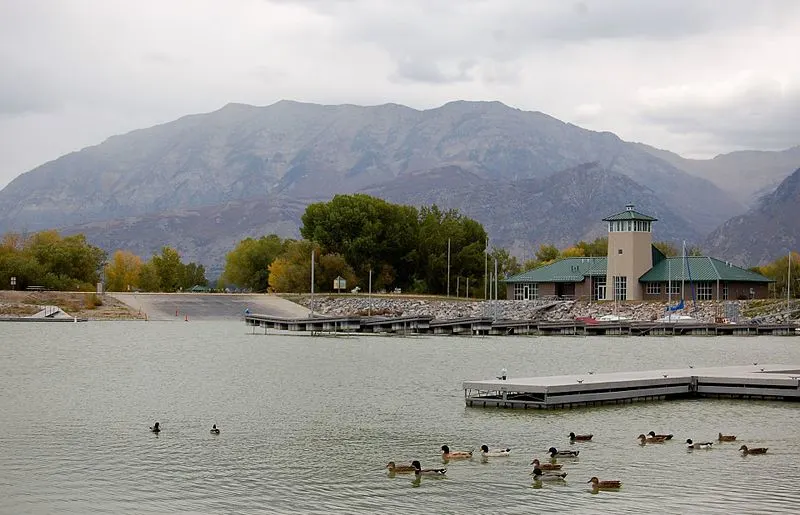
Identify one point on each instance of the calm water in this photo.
(309, 423)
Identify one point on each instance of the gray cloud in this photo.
(74, 73)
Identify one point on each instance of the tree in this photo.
(291, 271)
(168, 269)
(192, 274)
(247, 265)
(148, 277)
(596, 248)
(122, 273)
(778, 270)
(546, 254)
(507, 265)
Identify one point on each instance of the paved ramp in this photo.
(199, 306)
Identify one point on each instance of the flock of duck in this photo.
(156, 428)
(552, 471)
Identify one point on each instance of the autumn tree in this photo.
(247, 265)
(122, 273)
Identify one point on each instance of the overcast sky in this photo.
(695, 77)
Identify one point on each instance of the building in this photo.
(634, 269)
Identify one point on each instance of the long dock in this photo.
(488, 327)
(766, 382)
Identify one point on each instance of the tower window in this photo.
(619, 251)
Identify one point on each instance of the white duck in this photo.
(499, 453)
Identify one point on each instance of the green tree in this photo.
(596, 248)
(778, 270)
(192, 274)
(247, 265)
(168, 269)
(148, 277)
(507, 265)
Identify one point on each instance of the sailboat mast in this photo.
(669, 287)
(789, 281)
(683, 274)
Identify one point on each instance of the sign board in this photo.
(339, 283)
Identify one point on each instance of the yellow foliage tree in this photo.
(122, 273)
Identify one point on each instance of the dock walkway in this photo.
(773, 382)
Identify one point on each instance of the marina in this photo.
(763, 382)
(486, 326)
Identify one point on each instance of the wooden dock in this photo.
(483, 326)
(766, 382)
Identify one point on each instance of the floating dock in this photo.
(483, 326)
(765, 382)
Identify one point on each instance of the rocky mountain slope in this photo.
(768, 230)
(745, 175)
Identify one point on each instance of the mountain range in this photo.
(203, 182)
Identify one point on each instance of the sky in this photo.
(695, 77)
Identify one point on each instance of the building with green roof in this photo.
(637, 270)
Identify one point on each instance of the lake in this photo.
(309, 423)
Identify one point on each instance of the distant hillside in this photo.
(744, 175)
(767, 231)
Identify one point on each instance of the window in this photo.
(620, 287)
(705, 291)
(725, 291)
(674, 288)
(526, 291)
(619, 251)
(653, 288)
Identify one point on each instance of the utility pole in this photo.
(485, 269)
(789, 282)
(312, 284)
(448, 267)
(467, 292)
(369, 294)
(495, 288)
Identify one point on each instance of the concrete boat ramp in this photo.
(769, 382)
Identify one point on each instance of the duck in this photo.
(455, 455)
(214, 430)
(538, 475)
(155, 428)
(579, 438)
(727, 438)
(653, 434)
(546, 466)
(419, 471)
(562, 454)
(604, 485)
(755, 450)
(500, 453)
(651, 439)
(698, 445)
(400, 469)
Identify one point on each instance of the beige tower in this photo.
(630, 255)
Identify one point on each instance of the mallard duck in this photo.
(455, 455)
(214, 430)
(579, 438)
(500, 453)
(653, 434)
(539, 475)
(562, 454)
(727, 438)
(400, 469)
(698, 445)
(651, 439)
(604, 485)
(154, 428)
(419, 471)
(546, 466)
(754, 450)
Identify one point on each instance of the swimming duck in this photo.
(400, 469)
(486, 453)
(419, 471)
(698, 445)
(455, 455)
(604, 485)
(154, 428)
(546, 466)
(579, 438)
(755, 450)
(214, 430)
(727, 438)
(539, 475)
(654, 435)
(651, 439)
(562, 454)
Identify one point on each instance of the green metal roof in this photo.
(629, 214)
(700, 268)
(568, 270)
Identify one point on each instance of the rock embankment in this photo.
(542, 310)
